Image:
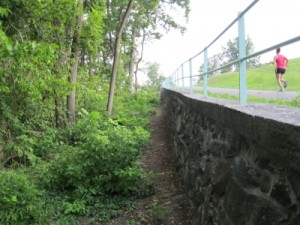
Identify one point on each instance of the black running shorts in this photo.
(280, 71)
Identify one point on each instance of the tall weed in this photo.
(20, 200)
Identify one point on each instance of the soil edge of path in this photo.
(169, 204)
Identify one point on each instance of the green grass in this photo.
(294, 103)
(260, 78)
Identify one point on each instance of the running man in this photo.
(281, 63)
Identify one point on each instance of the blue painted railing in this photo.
(173, 81)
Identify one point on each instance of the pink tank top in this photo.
(280, 61)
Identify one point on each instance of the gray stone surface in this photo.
(272, 95)
(240, 164)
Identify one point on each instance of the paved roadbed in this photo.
(271, 95)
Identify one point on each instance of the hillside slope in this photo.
(260, 78)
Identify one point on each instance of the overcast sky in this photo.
(268, 23)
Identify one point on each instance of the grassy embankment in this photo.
(260, 78)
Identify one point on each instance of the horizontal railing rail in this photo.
(173, 80)
(282, 44)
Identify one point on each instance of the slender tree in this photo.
(74, 68)
(132, 62)
(116, 56)
(149, 21)
(139, 60)
(154, 75)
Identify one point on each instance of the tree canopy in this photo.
(154, 75)
(59, 61)
(49, 49)
(229, 54)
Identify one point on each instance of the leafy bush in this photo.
(46, 143)
(20, 200)
(18, 145)
(101, 155)
(135, 110)
(23, 144)
(89, 169)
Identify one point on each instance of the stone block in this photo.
(281, 192)
(265, 183)
(242, 206)
(246, 175)
(295, 220)
(220, 177)
(280, 141)
(240, 122)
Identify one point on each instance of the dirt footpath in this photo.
(168, 205)
(159, 158)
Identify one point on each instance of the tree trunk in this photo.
(58, 123)
(139, 60)
(1, 153)
(59, 101)
(132, 62)
(72, 96)
(74, 70)
(116, 57)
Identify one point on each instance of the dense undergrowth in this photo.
(85, 173)
(64, 67)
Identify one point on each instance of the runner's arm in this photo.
(286, 61)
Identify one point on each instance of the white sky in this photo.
(269, 22)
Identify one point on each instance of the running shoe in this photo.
(285, 83)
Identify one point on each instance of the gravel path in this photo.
(271, 95)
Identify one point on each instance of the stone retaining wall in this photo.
(240, 164)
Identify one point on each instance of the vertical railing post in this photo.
(191, 76)
(242, 63)
(182, 77)
(174, 80)
(205, 74)
(177, 79)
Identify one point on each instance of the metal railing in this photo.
(172, 82)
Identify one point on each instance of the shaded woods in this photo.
(61, 141)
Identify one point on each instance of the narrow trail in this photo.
(168, 205)
(265, 94)
(159, 158)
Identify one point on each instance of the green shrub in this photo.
(20, 200)
(131, 181)
(134, 110)
(101, 155)
(90, 169)
(46, 143)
